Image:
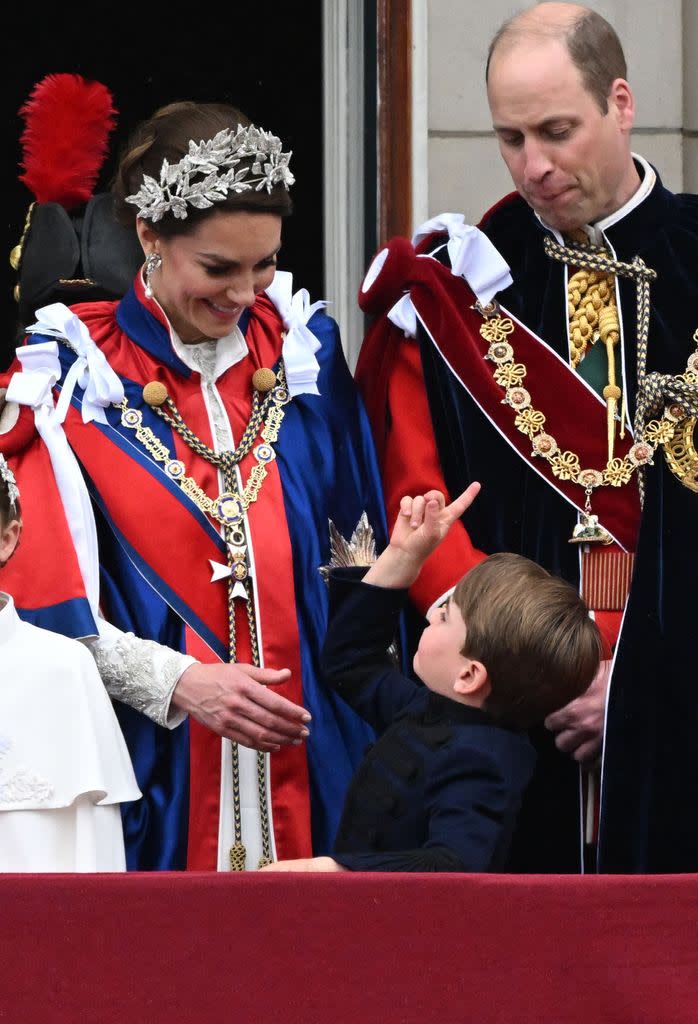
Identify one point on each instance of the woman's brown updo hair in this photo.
(166, 136)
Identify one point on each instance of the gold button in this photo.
(155, 393)
(16, 257)
(263, 379)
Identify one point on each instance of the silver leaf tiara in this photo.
(217, 160)
(8, 476)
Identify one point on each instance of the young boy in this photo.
(64, 766)
(441, 788)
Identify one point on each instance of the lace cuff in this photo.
(140, 673)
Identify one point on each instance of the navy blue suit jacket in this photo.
(441, 787)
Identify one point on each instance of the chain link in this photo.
(227, 462)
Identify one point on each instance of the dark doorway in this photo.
(264, 58)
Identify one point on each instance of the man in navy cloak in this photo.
(552, 354)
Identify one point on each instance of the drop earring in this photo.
(153, 262)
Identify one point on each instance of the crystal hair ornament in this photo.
(8, 477)
(218, 161)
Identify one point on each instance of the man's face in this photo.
(568, 160)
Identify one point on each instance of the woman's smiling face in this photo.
(209, 276)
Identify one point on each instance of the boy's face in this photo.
(9, 537)
(438, 661)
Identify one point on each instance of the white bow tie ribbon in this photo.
(300, 344)
(33, 386)
(100, 385)
(404, 315)
(472, 255)
(41, 369)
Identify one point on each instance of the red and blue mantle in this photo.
(155, 547)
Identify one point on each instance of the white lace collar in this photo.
(213, 357)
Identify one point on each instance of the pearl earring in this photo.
(153, 262)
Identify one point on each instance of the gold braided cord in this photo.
(217, 508)
(591, 303)
(18, 251)
(597, 259)
(259, 411)
(591, 299)
(266, 857)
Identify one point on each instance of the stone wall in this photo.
(464, 170)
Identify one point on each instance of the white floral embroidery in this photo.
(140, 673)
(21, 785)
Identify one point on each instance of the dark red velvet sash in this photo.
(575, 415)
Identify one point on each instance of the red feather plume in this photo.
(64, 143)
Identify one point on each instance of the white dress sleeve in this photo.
(140, 673)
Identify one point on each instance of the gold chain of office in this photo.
(593, 315)
(229, 509)
(677, 394)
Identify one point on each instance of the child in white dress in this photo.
(64, 766)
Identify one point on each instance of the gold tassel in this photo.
(609, 334)
(238, 856)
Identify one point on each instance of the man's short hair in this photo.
(533, 634)
(592, 43)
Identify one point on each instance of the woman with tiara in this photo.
(228, 462)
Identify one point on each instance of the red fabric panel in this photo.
(409, 460)
(44, 569)
(401, 949)
(609, 627)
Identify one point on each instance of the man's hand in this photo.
(305, 864)
(579, 725)
(420, 526)
(233, 701)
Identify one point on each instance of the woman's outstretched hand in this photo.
(235, 701)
